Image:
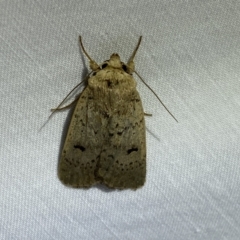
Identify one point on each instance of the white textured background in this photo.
(189, 56)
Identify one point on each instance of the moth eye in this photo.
(124, 67)
(104, 65)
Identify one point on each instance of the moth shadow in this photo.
(104, 188)
(153, 134)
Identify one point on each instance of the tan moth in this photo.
(106, 140)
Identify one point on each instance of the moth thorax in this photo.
(115, 61)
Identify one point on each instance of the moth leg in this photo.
(65, 107)
(148, 114)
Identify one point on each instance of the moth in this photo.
(106, 140)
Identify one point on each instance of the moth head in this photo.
(115, 61)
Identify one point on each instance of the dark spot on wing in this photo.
(132, 150)
(80, 147)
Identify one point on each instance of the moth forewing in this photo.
(106, 140)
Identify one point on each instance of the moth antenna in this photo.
(135, 50)
(156, 96)
(85, 52)
(93, 65)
